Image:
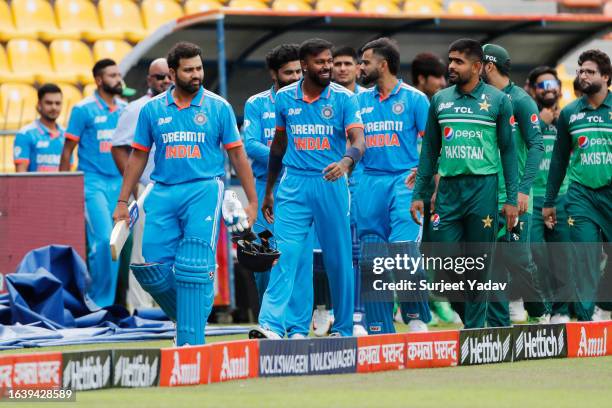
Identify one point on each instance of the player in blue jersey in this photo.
(91, 126)
(188, 124)
(394, 115)
(314, 117)
(38, 146)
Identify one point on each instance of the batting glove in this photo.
(233, 213)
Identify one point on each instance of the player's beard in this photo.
(591, 89)
(188, 87)
(112, 90)
(368, 79)
(282, 84)
(458, 79)
(49, 118)
(316, 78)
(548, 100)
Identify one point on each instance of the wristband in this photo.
(354, 154)
(122, 201)
(275, 163)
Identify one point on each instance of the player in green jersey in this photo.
(585, 126)
(468, 133)
(514, 261)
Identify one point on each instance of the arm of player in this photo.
(21, 152)
(245, 175)
(121, 155)
(252, 133)
(529, 123)
(135, 166)
(65, 159)
(354, 153)
(558, 168)
(275, 164)
(509, 162)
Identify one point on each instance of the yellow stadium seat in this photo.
(157, 12)
(423, 7)
(71, 95)
(199, 6)
(335, 6)
(82, 16)
(291, 5)
(122, 15)
(88, 90)
(7, 26)
(17, 105)
(247, 5)
(112, 49)
(31, 57)
(72, 57)
(37, 16)
(468, 8)
(7, 75)
(378, 7)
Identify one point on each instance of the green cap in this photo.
(497, 55)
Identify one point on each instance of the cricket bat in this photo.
(121, 230)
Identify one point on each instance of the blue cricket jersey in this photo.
(187, 138)
(39, 147)
(258, 130)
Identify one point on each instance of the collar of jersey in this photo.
(508, 87)
(196, 101)
(300, 95)
(585, 105)
(475, 92)
(102, 104)
(43, 130)
(394, 91)
(272, 94)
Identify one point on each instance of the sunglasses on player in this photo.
(548, 85)
(160, 77)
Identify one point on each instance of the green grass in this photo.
(547, 383)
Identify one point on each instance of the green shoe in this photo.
(444, 311)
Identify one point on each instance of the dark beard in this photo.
(282, 84)
(459, 81)
(591, 89)
(318, 80)
(112, 90)
(188, 87)
(547, 102)
(371, 78)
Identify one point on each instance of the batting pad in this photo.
(158, 279)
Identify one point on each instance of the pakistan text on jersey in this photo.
(596, 158)
(464, 152)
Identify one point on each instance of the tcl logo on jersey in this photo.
(449, 133)
(534, 118)
(595, 119)
(268, 115)
(164, 121)
(294, 111)
(100, 119)
(463, 109)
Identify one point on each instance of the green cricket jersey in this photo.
(468, 134)
(549, 135)
(528, 140)
(588, 132)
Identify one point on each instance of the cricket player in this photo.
(585, 127)
(515, 261)
(553, 262)
(394, 116)
(188, 125)
(38, 146)
(314, 118)
(466, 202)
(158, 80)
(91, 126)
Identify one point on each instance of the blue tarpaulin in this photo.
(47, 304)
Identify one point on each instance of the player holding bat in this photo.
(187, 124)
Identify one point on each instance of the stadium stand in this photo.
(158, 12)
(7, 27)
(88, 90)
(247, 5)
(81, 15)
(72, 57)
(7, 75)
(36, 18)
(468, 8)
(198, 6)
(124, 16)
(31, 57)
(18, 104)
(291, 5)
(112, 49)
(424, 7)
(336, 6)
(71, 96)
(378, 6)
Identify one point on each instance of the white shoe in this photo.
(359, 330)
(600, 315)
(262, 333)
(559, 319)
(544, 319)
(322, 321)
(457, 319)
(417, 326)
(335, 334)
(518, 314)
(297, 336)
(398, 316)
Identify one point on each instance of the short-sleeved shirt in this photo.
(126, 127)
(92, 124)
(316, 129)
(39, 147)
(392, 127)
(258, 130)
(188, 139)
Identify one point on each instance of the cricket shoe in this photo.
(297, 336)
(359, 329)
(335, 334)
(262, 333)
(417, 326)
(444, 311)
(600, 315)
(544, 319)
(518, 314)
(558, 318)
(322, 321)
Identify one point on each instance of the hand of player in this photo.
(417, 211)
(251, 213)
(267, 208)
(547, 115)
(549, 214)
(411, 179)
(233, 213)
(432, 202)
(336, 170)
(511, 214)
(121, 213)
(523, 203)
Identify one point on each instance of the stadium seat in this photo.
(31, 57)
(36, 16)
(335, 6)
(7, 26)
(124, 16)
(17, 105)
(71, 96)
(378, 7)
(248, 5)
(468, 8)
(81, 15)
(291, 5)
(157, 12)
(88, 90)
(112, 49)
(7, 75)
(422, 7)
(199, 6)
(72, 57)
